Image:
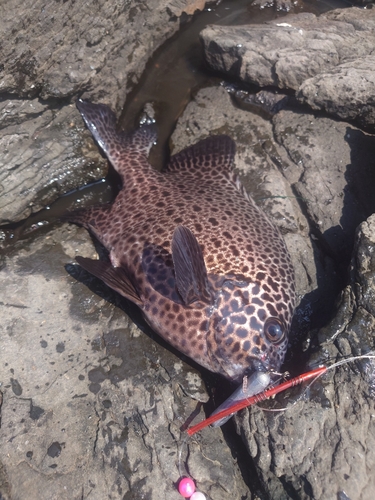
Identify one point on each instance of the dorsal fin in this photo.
(190, 269)
(115, 277)
(101, 121)
(215, 152)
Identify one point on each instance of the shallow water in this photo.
(178, 69)
(172, 76)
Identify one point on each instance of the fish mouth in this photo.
(255, 365)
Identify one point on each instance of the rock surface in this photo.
(351, 85)
(323, 447)
(84, 416)
(90, 405)
(52, 53)
(328, 60)
(309, 174)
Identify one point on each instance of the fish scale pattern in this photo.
(244, 326)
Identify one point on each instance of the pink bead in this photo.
(198, 496)
(186, 487)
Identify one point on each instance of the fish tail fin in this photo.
(117, 146)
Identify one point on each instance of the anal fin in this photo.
(88, 217)
(115, 277)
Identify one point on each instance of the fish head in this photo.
(246, 334)
(244, 322)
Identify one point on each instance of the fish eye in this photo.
(274, 330)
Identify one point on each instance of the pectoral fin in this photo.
(190, 268)
(115, 277)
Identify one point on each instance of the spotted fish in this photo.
(210, 272)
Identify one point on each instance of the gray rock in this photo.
(52, 53)
(41, 149)
(91, 405)
(330, 166)
(328, 59)
(363, 266)
(322, 446)
(61, 50)
(282, 53)
(312, 449)
(347, 91)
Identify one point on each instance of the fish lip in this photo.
(256, 365)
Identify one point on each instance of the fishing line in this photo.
(180, 450)
(282, 197)
(330, 367)
(186, 486)
(350, 360)
(312, 376)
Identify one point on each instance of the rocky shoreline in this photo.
(91, 401)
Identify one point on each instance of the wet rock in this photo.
(64, 49)
(51, 54)
(44, 156)
(328, 59)
(100, 418)
(363, 266)
(263, 101)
